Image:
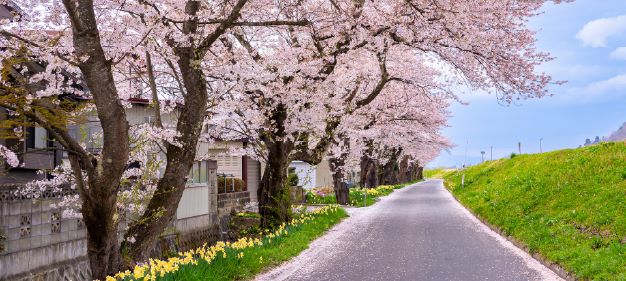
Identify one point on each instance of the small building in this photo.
(312, 176)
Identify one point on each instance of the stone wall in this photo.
(234, 201)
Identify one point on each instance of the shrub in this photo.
(293, 179)
(227, 186)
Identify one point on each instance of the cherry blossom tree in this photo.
(300, 84)
(287, 73)
(400, 124)
(9, 156)
(104, 52)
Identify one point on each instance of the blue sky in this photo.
(585, 38)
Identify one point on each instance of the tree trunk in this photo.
(420, 173)
(163, 204)
(404, 170)
(415, 172)
(369, 172)
(99, 192)
(273, 192)
(342, 193)
(390, 171)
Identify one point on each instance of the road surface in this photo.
(417, 233)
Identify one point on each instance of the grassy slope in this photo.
(279, 250)
(568, 205)
(437, 173)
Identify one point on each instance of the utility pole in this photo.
(540, 148)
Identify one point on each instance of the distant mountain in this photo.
(618, 135)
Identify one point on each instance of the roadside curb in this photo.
(557, 269)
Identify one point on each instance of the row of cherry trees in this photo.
(300, 79)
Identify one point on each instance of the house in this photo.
(36, 152)
(41, 242)
(312, 176)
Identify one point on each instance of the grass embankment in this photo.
(242, 259)
(357, 195)
(437, 173)
(569, 206)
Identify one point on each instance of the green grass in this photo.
(569, 205)
(357, 195)
(437, 173)
(258, 258)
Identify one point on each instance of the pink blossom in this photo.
(9, 156)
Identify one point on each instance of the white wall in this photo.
(254, 178)
(323, 175)
(306, 174)
(195, 202)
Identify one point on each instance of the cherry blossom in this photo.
(9, 156)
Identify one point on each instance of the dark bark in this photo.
(390, 171)
(273, 192)
(420, 173)
(103, 177)
(416, 172)
(342, 193)
(369, 172)
(162, 206)
(404, 176)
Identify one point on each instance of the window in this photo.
(198, 173)
(41, 138)
(203, 172)
(36, 138)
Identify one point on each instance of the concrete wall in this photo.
(323, 175)
(37, 235)
(42, 245)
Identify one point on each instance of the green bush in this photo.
(292, 179)
(240, 185)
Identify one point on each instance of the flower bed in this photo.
(357, 195)
(243, 258)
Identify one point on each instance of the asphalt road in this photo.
(417, 233)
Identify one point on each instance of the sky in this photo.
(588, 40)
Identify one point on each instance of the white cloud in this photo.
(595, 33)
(613, 88)
(615, 83)
(619, 53)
